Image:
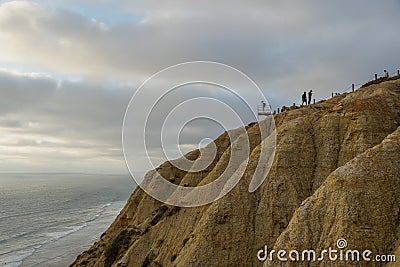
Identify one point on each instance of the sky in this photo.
(69, 68)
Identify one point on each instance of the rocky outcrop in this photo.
(335, 175)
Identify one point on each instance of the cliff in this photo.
(336, 174)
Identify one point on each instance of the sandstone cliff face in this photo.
(336, 174)
(359, 202)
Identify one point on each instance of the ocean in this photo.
(49, 219)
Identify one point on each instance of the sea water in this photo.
(49, 219)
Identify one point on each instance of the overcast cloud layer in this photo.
(68, 68)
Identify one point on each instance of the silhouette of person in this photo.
(386, 73)
(304, 98)
(309, 97)
(263, 105)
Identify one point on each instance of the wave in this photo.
(17, 256)
(16, 259)
(27, 234)
(56, 236)
(24, 214)
(73, 229)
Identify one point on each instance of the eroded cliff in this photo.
(336, 174)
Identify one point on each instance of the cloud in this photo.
(48, 125)
(110, 48)
(23, 91)
(265, 38)
(63, 125)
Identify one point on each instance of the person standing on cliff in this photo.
(304, 98)
(263, 105)
(309, 97)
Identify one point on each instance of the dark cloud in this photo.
(21, 92)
